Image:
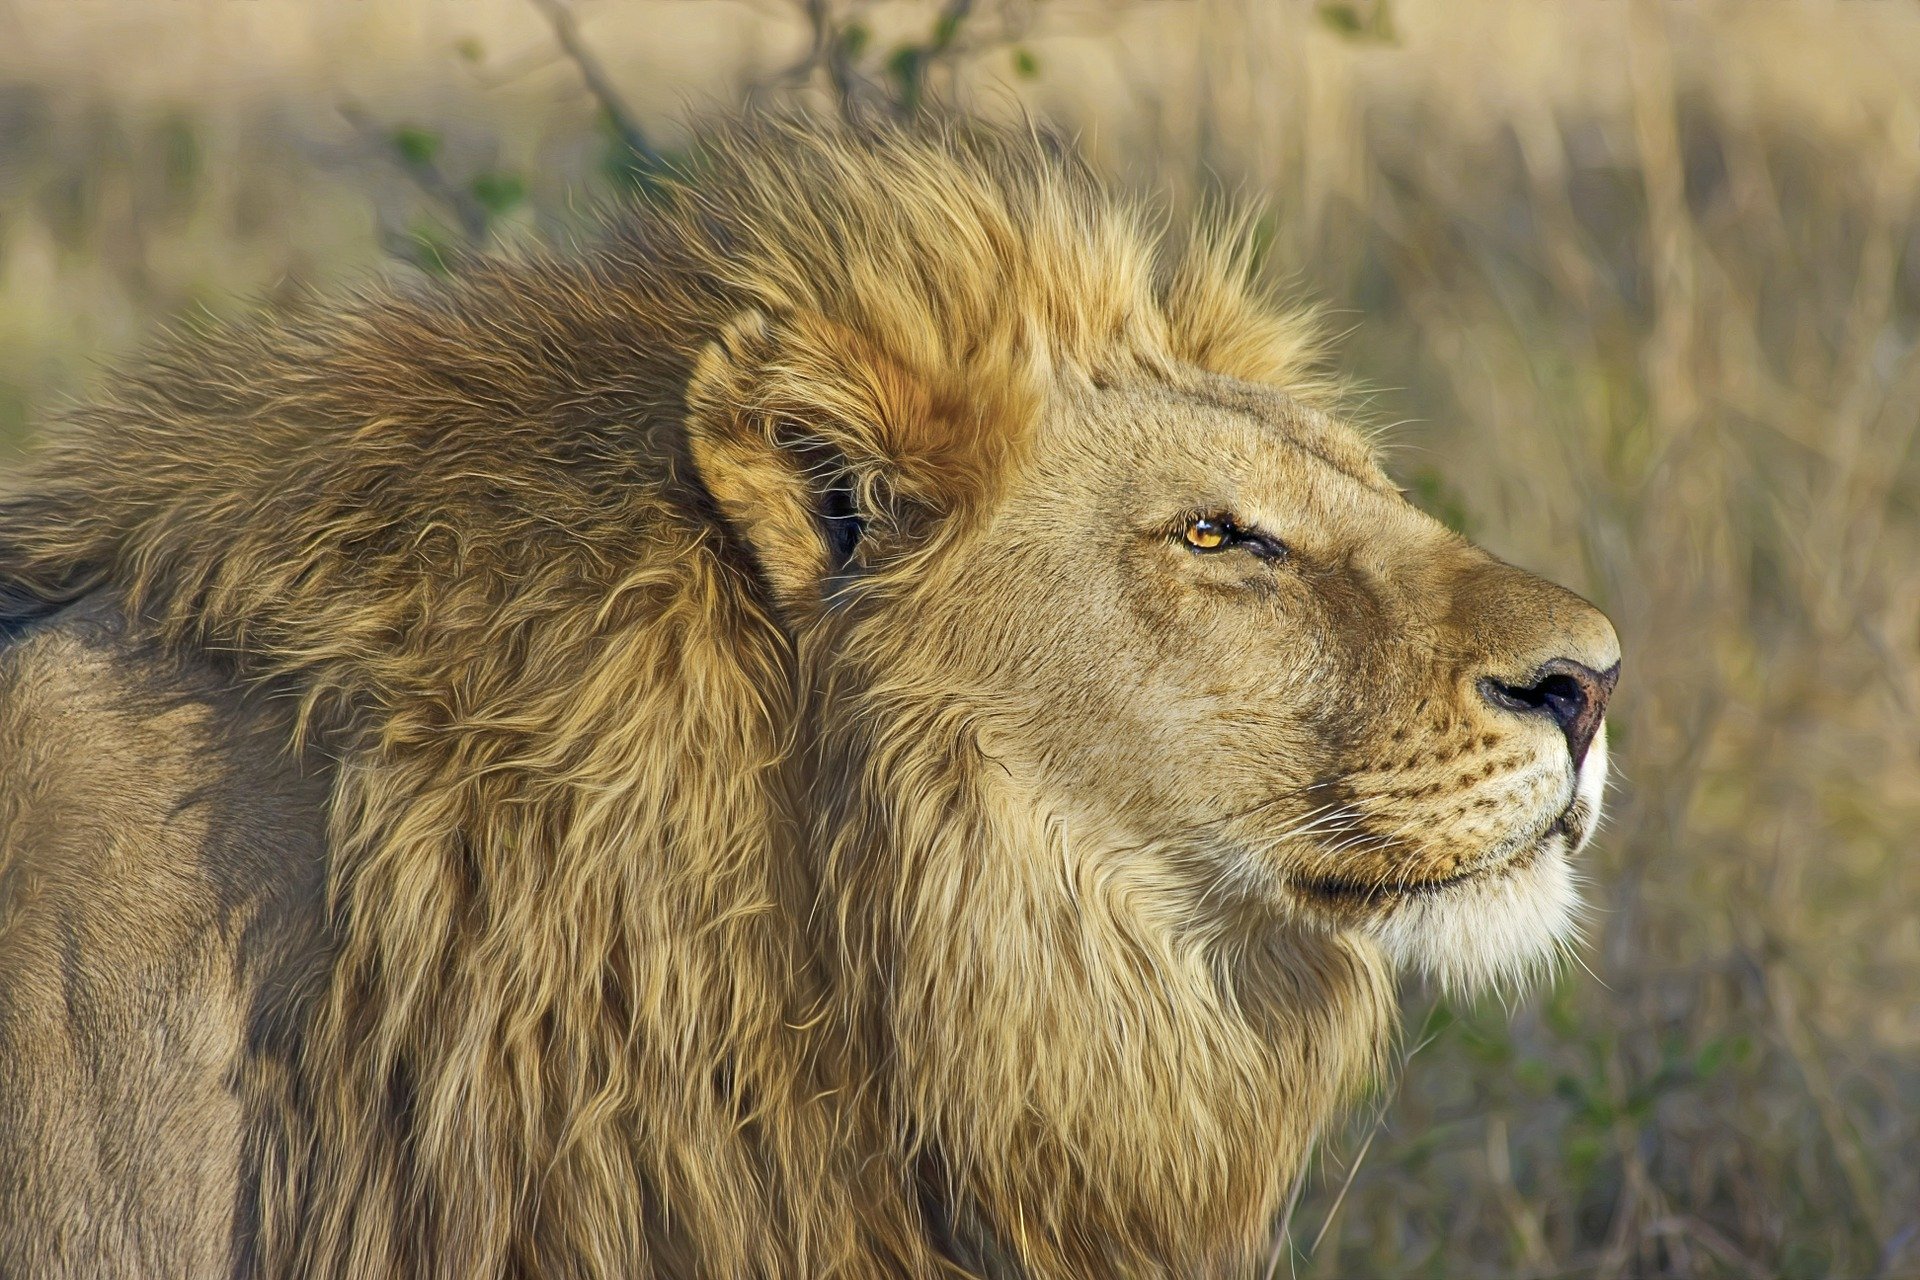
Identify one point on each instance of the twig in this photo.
(1421, 1040)
(566, 33)
(1687, 1227)
(1353, 1171)
(425, 174)
(1283, 1238)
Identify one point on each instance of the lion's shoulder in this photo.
(161, 873)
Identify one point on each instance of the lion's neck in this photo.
(1090, 1065)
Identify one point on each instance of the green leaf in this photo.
(622, 167)
(431, 247)
(1583, 1152)
(1025, 65)
(1561, 1017)
(416, 146)
(1343, 18)
(907, 65)
(179, 155)
(1440, 500)
(1360, 21)
(1491, 1043)
(499, 192)
(1260, 241)
(944, 30)
(15, 413)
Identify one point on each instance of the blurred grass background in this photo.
(1636, 286)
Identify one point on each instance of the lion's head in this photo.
(886, 720)
(1198, 629)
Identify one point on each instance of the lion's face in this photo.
(1203, 625)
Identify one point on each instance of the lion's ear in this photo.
(761, 430)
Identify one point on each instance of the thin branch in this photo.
(566, 33)
(830, 50)
(952, 14)
(426, 175)
(1283, 1238)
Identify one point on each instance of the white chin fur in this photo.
(1507, 929)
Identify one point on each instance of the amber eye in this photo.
(1208, 533)
(1218, 532)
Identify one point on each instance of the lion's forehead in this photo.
(1237, 437)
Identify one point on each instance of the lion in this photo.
(875, 720)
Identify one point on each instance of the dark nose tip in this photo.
(1571, 694)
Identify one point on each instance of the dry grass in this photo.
(1641, 286)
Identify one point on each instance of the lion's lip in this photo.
(1354, 892)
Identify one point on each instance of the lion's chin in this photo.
(1502, 930)
(1509, 926)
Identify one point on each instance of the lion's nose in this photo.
(1571, 694)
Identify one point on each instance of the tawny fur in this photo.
(678, 933)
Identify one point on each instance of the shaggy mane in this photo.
(606, 999)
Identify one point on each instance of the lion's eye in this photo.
(1219, 532)
(1208, 533)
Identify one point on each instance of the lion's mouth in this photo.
(1570, 824)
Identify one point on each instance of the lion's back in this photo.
(161, 871)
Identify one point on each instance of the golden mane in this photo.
(641, 903)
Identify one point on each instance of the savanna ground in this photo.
(1634, 294)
